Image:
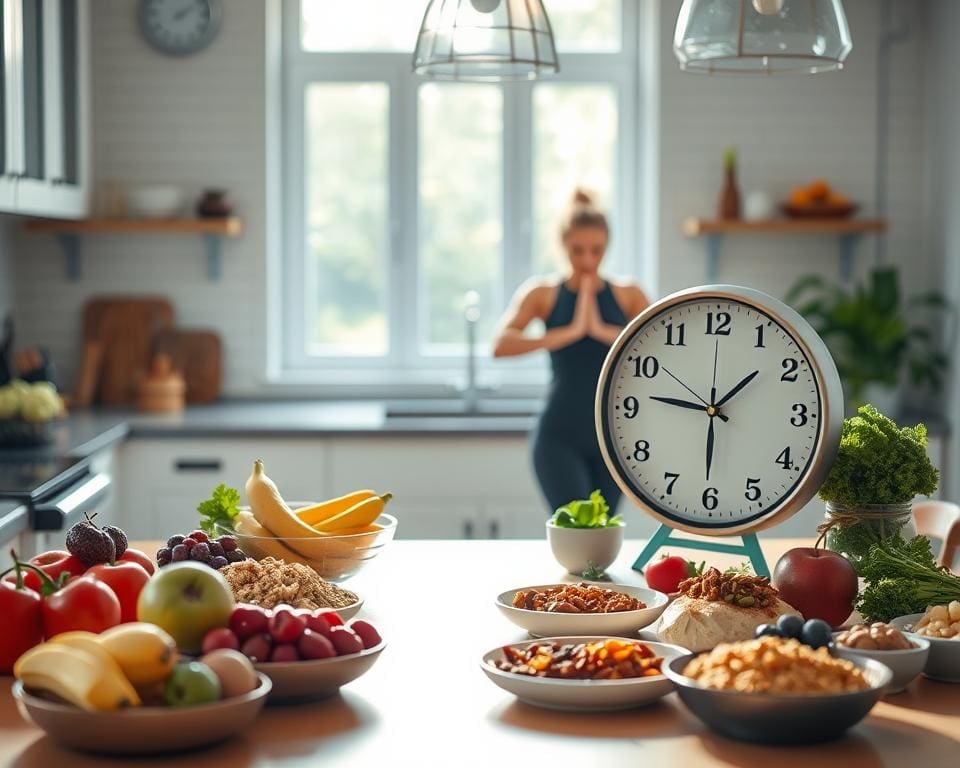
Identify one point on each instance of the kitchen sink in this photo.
(446, 409)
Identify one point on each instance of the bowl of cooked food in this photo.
(582, 674)
(773, 690)
(940, 626)
(906, 656)
(583, 608)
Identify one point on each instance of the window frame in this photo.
(405, 364)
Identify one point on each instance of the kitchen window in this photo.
(405, 198)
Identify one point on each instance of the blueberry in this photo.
(816, 633)
(790, 625)
(768, 629)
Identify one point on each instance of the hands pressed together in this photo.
(587, 321)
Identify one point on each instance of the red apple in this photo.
(817, 582)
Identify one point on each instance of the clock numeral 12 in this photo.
(647, 366)
(709, 499)
(722, 326)
(784, 459)
(671, 478)
(753, 490)
(680, 333)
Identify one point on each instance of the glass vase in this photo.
(852, 530)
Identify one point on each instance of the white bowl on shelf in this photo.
(155, 201)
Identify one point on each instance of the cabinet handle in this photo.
(468, 530)
(198, 465)
(494, 529)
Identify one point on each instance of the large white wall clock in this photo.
(718, 411)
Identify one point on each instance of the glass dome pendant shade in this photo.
(761, 36)
(485, 40)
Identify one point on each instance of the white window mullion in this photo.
(517, 187)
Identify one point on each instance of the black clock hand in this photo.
(709, 447)
(740, 385)
(713, 388)
(668, 372)
(685, 404)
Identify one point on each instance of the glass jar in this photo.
(852, 530)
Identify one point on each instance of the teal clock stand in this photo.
(750, 548)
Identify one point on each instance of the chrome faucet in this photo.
(471, 313)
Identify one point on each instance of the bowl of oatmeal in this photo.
(772, 690)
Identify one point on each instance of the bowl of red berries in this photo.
(306, 654)
(217, 552)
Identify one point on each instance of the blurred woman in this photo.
(582, 313)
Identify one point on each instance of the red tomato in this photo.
(84, 603)
(126, 580)
(138, 557)
(23, 623)
(52, 563)
(665, 574)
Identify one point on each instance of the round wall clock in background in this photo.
(180, 27)
(719, 411)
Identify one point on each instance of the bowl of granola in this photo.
(582, 674)
(582, 608)
(773, 690)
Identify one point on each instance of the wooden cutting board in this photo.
(198, 355)
(125, 328)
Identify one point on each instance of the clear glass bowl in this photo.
(335, 557)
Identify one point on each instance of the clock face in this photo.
(179, 27)
(711, 413)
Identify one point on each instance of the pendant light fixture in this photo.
(761, 36)
(485, 40)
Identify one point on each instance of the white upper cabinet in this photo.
(44, 168)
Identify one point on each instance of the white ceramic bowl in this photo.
(619, 623)
(943, 662)
(318, 679)
(142, 730)
(905, 665)
(581, 695)
(578, 549)
(154, 201)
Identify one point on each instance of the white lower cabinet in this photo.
(444, 487)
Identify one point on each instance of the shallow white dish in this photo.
(318, 679)
(943, 662)
(581, 695)
(905, 664)
(141, 730)
(622, 623)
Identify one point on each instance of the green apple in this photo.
(187, 600)
(191, 683)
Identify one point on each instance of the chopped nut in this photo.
(736, 588)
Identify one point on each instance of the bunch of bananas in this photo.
(105, 672)
(307, 533)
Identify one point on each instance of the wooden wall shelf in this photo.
(68, 232)
(848, 231)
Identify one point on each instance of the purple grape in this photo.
(189, 543)
(200, 552)
(179, 553)
(216, 549)
(164, 556)
(219, 562)
(174, 540)
(228, 543)
(234, 556)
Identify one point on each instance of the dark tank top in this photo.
(576, 368)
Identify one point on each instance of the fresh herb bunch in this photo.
(879, 462)
(219, 510)
(854, 540)
(903, 578)
(586, 513)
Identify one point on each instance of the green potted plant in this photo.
(584, 536)
(871, 337)
(879, 469)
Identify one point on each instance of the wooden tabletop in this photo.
(427, 703)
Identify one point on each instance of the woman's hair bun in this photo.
(581, 197)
